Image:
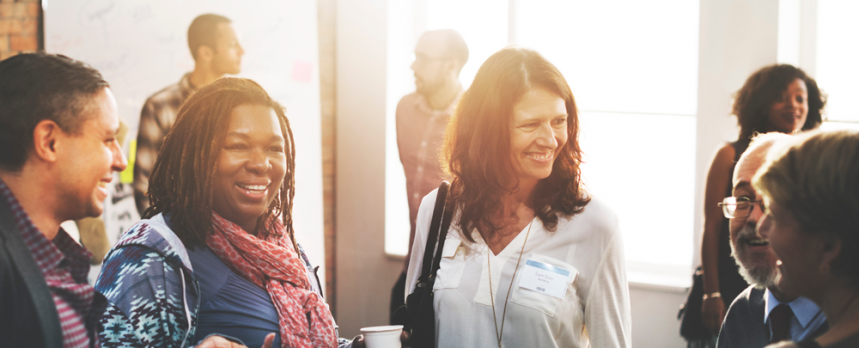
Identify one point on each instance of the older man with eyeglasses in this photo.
(761, 314)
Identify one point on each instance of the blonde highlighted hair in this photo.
(816, 178)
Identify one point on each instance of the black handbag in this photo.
(418, 315)
(691, 323)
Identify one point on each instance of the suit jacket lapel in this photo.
(757, 306)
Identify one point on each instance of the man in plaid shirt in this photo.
(217, 52)
(58, 127)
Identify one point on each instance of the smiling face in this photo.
(537, 135)
(251, 167)
(789, 112)
(798, 260)
(87, 160)
(756, 259)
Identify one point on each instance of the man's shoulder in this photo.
(408, 101)
(750, 298)
(23, 290)
(165, 95)
(411, 97)
(15, 255)
(744, 325)
(747, 308)
(173, 93)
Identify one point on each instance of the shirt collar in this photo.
(51, 252)
(803, 309)
(70, 248)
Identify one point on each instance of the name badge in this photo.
(545, 278)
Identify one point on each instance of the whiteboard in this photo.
(140, 46)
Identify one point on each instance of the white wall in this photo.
(654, 316)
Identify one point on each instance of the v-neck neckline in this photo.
(514, 246)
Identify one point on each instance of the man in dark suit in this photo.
(761, 314)
(58, 127)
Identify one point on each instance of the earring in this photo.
(824, 269)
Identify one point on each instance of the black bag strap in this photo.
(427, 271)
(445, 225)
(438, 230)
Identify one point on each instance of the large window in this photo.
(632, 67)
(819, 37)
(838, 60)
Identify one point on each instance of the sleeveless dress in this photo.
(731, 283)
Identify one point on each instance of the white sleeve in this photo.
(607, 309)
(421, 227)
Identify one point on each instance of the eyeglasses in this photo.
(739, 208)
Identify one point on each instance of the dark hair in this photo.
(35, 87)
(477, 142)
(764, 88)
(204, 32)
(816, 179)
(181, 181)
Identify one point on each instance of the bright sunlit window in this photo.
(838, 60)
(632, 67)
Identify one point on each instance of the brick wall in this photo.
(20, 27)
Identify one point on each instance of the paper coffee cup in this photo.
(382, 336)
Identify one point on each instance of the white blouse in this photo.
(594, 310)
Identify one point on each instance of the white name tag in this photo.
(545, 278)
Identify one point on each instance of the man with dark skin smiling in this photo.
(761, 314)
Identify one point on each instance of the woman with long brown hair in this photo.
(215, 253)
(531, 259)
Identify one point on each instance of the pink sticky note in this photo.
(302, 71)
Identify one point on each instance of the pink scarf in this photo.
(273, 265)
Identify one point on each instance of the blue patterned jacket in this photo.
(150, 304)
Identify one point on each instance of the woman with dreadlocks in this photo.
(215, 255)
